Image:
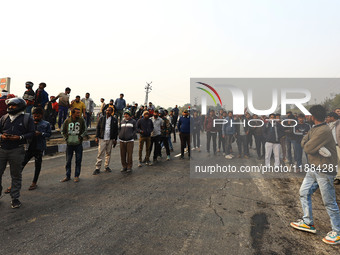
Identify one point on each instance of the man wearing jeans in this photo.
(73, 131)
(320, 136)
(120, 104)
(63, 105)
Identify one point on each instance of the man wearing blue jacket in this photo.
(184, 132)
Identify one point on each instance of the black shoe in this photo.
(171, 150)
(129, 170)
(95, 172)
(108, 170)
(123, 170)
(181, 157)
(336, 182)
(15, 203)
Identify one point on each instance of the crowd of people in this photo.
(27, 122)
(30, 120)
(317, 136)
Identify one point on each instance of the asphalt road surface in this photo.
(156, 210)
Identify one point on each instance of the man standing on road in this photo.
(156, 136)
(175, 112)
(211, 130)
(120, 104)
(63, 105)
(165, 133)
(29, 96)
(319, 137)
(73, 131)
(126, 134)
(15, 128)
(38, 144)
(106, 138)
(89, 106)
(272, 133)
(184, 132)
(144, 128)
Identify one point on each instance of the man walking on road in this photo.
(320, 147)
(15, 128)
(126, 134)
(144, 128)
(106, 138)
(73, 131)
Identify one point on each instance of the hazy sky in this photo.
(109, 47)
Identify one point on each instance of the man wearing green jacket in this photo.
(73, 130)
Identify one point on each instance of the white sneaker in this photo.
(228, 157)
(332, 238)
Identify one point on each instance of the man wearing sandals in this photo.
(320, 147)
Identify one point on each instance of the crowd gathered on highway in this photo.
(27, 122)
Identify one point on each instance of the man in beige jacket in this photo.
(319, 174)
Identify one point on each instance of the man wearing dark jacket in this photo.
(29, 96)
(272, 132)
(144, 128)
(106, 137)
(211, 130)
(126, 134)
(184, 132)
(38, 144)
(15, 128)
(242, 132)
(41, 96)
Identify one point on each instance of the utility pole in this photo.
(148, 89)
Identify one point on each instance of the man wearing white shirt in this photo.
(106, 137)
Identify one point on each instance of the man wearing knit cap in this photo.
(144, 128)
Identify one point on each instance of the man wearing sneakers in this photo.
(73, 131)
(15, 128)
(106, 137)
(126, 134)
(144, 128)
(320, 136)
